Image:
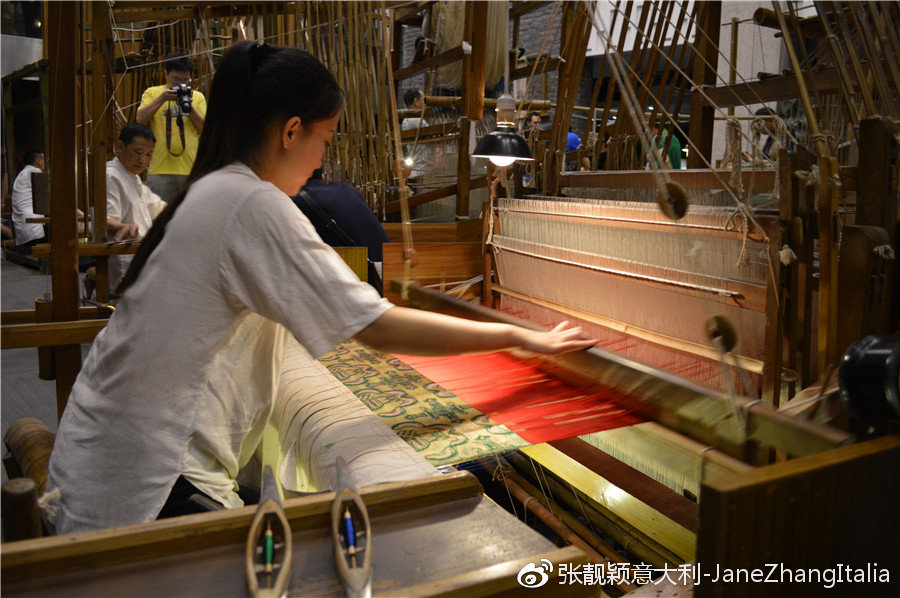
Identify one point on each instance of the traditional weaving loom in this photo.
(595, 247)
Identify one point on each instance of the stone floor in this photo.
(22, 393)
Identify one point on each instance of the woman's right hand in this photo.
(564, 337)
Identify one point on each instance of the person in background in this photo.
(342, 218)
(418, 157)
(169, 120)
(178, 387)
(672, 158)
(27, 233)
(769, 128)
(573, 141)
(130, 204)
(532, 122)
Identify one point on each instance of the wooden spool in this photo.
(18, 506)
(31, 442)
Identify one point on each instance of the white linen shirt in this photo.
(182, 379)
(23, 207)
(129, 201)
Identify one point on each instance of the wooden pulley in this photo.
(673, 201)
(721, 333)
(401, 169)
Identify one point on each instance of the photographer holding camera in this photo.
(175, 113)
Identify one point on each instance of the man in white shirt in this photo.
(130, 204)
(417, 153)
(27, 233)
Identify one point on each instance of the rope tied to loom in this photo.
(757, 127)
(885, 252)
(733, 153)
(826, 138)
(731, 225)
(787, 255)
(49, 503)
(812, 176)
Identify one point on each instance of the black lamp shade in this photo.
(503, 142)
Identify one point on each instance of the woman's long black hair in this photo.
(255, 87)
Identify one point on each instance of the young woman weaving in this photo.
(176, 390)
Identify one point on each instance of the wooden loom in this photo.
(638, 281)
(809, 474)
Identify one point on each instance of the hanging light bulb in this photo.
(504, 145)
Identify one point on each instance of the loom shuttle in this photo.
(269, 547)
(352, 537)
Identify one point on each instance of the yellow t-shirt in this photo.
(178, 159)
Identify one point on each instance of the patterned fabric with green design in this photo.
(435, 422)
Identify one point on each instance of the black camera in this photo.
(184, 98)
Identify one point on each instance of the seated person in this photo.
(770, 128)
(532, 122)
(573, 142)
(27, 233)
(672, 159)
(130, 204)
(342, 218)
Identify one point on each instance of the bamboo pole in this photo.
(670, 86)
(874, 57)
(838, 59)
(868, 101)
(818, 142)
(611, 85)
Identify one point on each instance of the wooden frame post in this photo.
(706, 62)
(60, 38)
(101, 132)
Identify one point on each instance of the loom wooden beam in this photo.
(475, 66)
(429, 131)
(770, 89)
(517, 9)
(448, 57)
(29, 316)
(692, 178)
(798, 500)
(751, 365)
(463, 168)
(774, 339)
(50, 334)
(434, 194)
(60, 38)
(878, 193)
(703, 414)
(810, 27)
(89, 249)
(139, 12)
(522, 72)
(706, 60)
(101, 91)
(37, 559)
(456, 102)
(828, 198)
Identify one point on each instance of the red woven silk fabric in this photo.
(515, 393)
